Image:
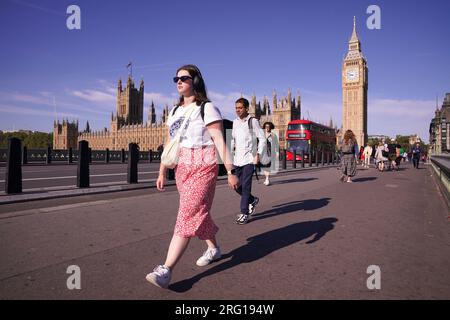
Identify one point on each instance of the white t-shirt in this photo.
(196, 134)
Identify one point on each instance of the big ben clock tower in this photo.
(354, 90)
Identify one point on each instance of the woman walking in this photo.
(380, 158)
(196, 172)
(272, 145)
(349, 157)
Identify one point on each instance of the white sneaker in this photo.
(160, 276)
(209, 256)
(242, 218)
(252, 206)
(266, 182)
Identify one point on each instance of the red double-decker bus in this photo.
(305, 136)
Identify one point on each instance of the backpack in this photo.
(202, 110)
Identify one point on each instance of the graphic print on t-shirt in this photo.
(176, 126)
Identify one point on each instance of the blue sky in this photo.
(240, 46)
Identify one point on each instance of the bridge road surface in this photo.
(312, 238)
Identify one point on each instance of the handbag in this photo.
(170, 155)
(266, 156)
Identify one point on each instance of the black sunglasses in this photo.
(182, 78)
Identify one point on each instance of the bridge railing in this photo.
(441, 167)
(35, 156)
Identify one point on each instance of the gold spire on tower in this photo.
(354, 37)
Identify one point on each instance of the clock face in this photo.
(352, 75)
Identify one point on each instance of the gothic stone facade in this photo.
(440, 128)
(126, 125)
(65, 135)
(283, 110)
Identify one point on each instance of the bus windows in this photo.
(298, 126)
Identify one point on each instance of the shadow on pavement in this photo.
(364, 179)
(308, 204)
(293, 181)
(261, 245)
(395, 170)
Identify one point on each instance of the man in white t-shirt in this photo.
(246, 130)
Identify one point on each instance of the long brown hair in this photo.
(349, 135)
(198, 84)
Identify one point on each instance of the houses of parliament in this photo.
(127, 123)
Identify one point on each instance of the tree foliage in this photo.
(34, 140)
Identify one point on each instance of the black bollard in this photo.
(122, 156)
(310, 157)
(25, 155)
(83, 164)
(170, 174)
(317, 157)
(303, 158)
(150, 156)
(332, 158)
(133, 155)
(13, 173)
(70, 158)
(294, 159)
(49, 155)
(107, 156)
(283, 159)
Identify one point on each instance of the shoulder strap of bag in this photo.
(175, 110)
(250, 123)
(202, 110)
(183, 125)
(255, 171)
(250, 127)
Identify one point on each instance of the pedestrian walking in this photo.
(416, 151)
(381, 156)
(398, 156)
(272, 149)
(367, 155)
(248, 143)
(392, 155)
(196, 172)
(349, 148)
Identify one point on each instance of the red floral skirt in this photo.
(196, 176)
